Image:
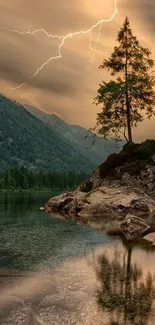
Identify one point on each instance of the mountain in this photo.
(26, 141)
(96, 149)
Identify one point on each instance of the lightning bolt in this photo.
(63, 38)
(92, 51)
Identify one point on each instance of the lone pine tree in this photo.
(132, 92)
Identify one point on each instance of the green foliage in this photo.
(27, 141)
(86, 186)
(147, 149)
(131, 159)
(143, 150)
(130, 146)
(124, 98)
(24, 179)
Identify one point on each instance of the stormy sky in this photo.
(68, 85)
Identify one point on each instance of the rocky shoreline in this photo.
(117, 197)
(106, 208)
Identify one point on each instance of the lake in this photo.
(55, 272)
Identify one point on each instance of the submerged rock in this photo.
(42, 208)
(134, 227)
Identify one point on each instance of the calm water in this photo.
(56, 272)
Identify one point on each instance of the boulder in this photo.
(104, 207)
(151, 238)
(56, 203)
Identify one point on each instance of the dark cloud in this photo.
(55, 16)
(64, 76)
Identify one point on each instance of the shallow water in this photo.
(56, 272)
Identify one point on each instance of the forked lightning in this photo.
(63, 38)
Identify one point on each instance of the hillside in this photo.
(26, 141)
(94, 148)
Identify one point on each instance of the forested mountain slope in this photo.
(94, 148)
(26, 141)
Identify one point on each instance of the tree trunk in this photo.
(128, 108)
(128, 105)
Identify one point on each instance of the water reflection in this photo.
(125, 293)
(29, 237)
(41, 282)
(17, 207)
(114, 285)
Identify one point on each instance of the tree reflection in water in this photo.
(124, 293)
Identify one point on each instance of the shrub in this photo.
(147, 149)
(86, 187)
(132, 158)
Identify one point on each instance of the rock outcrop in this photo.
(104, 208)
(134, 166)
(115, 197)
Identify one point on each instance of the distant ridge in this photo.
(93, 148)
